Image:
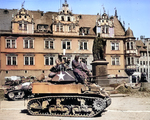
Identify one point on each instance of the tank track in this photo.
(68, 106)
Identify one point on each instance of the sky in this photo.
(135, 13)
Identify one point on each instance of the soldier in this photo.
(78, 70)
(84, 67)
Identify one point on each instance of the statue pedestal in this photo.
(99, 70)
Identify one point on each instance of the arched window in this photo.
(68, 18)
(62, 18)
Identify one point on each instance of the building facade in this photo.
(30, 41)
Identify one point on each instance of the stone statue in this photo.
(98, 48)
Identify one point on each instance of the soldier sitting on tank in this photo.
(84, 67)
(78, 70)
(58, 67)
(66, 64)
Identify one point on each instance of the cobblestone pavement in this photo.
(122, 108)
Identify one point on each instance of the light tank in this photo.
(64, 96)
(18, 92)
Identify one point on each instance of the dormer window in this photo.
(105, 29)
(22, 25)
(42, 27)
(84, 30)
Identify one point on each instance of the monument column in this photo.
(99, 71)
(99, 64)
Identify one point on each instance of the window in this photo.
(59, 27)
(103, 30)
(68, 18)
(129, 61)
(115, 60)
(28, 43)
(11, 60)
(49, 44)
(141, 70)
(10, 43)
(70, 28)
(132, 60)
(66, 45)
(42, 27)
(131, 45)
(128, 46)
(62, 18)
(137, 61)
(114, 46)
(107, 29)
(28, 60)
(23, 25)
(83, 45)
(49, 60)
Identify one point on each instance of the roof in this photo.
(40, 17)
(118, 30)
(140, 45)
(129, 33)
(5, 18)
(87, 21)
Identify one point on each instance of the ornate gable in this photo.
(65, 22)
(22, 22)
(105, 26)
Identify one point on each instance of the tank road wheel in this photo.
(11, 96)
(99, 104)
(34, 107)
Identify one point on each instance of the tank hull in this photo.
(66, 100)
(44, 87)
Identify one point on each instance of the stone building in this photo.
(143, 49)
(30, 41)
